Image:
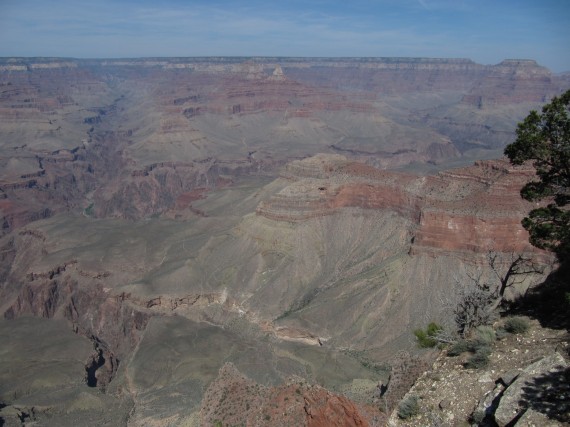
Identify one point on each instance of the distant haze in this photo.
(486, 31)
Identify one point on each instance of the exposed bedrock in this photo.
(58, 186)
(81, 134)
(473, 209)
(113, 326)
(511, 81)
(170, 187)
(237, 399)
(166, 303)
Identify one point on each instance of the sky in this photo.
(486, 31)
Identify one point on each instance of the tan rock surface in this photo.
(464, 388)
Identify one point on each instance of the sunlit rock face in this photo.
(472, 209)
(131, 137)
(173, 215)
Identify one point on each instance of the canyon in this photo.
(175, 230)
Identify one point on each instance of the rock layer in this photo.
(127, 138)
(473, 209)
(190, 146)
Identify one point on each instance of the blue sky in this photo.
(486, 31)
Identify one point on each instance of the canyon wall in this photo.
(174, 214)
(129, 138)
(474, 209)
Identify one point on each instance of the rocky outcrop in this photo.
(67, 292)
(524, 384)
(507, 82)
(533, 389)
(234, 399)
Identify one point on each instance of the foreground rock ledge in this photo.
(531, 389)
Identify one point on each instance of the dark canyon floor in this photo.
(178, 232)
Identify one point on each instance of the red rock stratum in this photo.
(472, 209)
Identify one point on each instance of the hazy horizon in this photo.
(486, 32)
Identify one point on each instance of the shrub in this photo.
(426, 338)
(409, 407)
(501, 333)
(516, 325)
(433, 329)
(480, 358)
(477, 346)
(474, 304)
(459, 347)
(480, 347)
(485, 334)
(89, 211)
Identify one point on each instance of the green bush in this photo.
(89, 211)
(516, 325)
(426, 338)
(409, 407)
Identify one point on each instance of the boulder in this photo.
(533, 389)
(508, 377)
(532, 418)
(488, 403)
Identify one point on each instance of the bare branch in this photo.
(513, 271)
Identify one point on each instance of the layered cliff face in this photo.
(259, 279)
(473, 209)
(128, 138)
(172, 215)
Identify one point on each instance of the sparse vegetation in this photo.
(458, 348)
(511, 270)
(516, 325)
(89, 211)
(406, 369)
(300, 304)
(480, 298)
(474, 304)
(480, 346)
(485, 335)
(480, 358)
(409, 407)
(463, 346)
(427, 338)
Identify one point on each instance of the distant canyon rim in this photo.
(295, 217)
